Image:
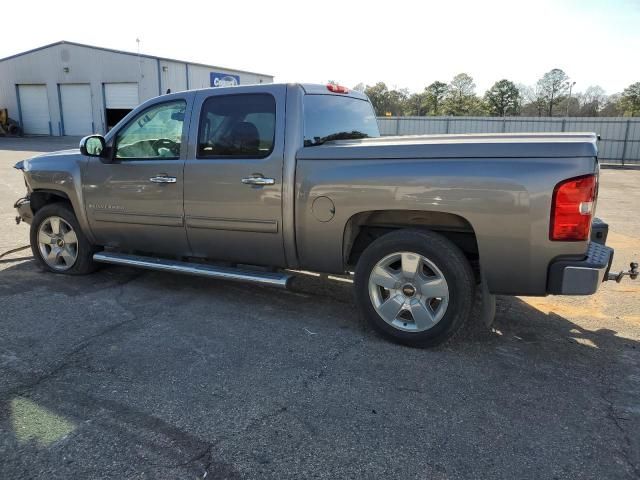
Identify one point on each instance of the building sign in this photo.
(224, 79)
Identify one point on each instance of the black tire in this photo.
(447, 257)
(84, 263)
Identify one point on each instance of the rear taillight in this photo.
(572, 209)
(332, 87)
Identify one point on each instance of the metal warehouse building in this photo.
(67, 88)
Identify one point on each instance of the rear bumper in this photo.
(583, 276)
(23, 208)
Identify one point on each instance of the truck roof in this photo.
(319, 89)
(476, 145)
(308, 88)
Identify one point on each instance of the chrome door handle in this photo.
(258, 180)
(163, 179)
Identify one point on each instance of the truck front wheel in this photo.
(58, 243)
(415, 287)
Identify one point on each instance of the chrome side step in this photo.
(273, 279)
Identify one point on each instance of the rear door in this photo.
(233, 175)
(134, 202)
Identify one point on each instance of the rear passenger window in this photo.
(237, 126)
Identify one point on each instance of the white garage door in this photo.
(34, 107)
(121, 95)
(77, 115)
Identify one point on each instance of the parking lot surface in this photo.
(143, 375)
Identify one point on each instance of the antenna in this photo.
(139, 59)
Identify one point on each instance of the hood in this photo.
(48, 159)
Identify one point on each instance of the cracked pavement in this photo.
(143, 375)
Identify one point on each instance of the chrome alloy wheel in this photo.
(408, 291)
(58, 243)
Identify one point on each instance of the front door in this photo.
(233, 176)
(135, 201)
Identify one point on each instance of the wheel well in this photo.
(365, 227)
(40, 198)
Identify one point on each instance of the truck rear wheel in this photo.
(415, 287)
(57, 242)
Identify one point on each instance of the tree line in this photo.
(551, 96)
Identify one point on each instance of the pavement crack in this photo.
(66, 361)
(68, 357)
(328, 361)
(611, 414)
(265, 416)
(210, 467)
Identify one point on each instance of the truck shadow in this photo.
(515, 318)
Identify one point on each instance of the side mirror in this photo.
(92, 145)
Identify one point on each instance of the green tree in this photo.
(612, 107)
(378, 95)
(397, 101)
(503, 99)
(630, 100)
(552, 87)
(434, 97)
(461, 98)
(387, 101)
(416, 104)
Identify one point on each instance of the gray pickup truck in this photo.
(249, 183)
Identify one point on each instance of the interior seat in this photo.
(245, 138)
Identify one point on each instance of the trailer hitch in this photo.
(632, 273)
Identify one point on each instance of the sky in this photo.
(406, 44)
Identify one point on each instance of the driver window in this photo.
(154, 134)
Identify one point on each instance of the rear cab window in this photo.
(337, 117)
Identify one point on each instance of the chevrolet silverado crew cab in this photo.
(250, 182)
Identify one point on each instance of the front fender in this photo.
(59, 174)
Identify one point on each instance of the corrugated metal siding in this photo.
(173, 75)
(619, 137)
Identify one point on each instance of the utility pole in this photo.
(139, 59)
(569, 101)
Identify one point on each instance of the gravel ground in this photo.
(143, 375)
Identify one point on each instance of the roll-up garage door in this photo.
(34, 109)
(119, 100)
(121, 95)
(77, 114)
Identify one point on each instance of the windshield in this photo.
(335, 117)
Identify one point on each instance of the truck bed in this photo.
(505, 145)
(505, 204)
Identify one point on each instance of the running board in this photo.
(273, 279)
